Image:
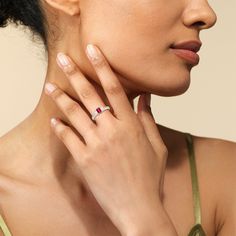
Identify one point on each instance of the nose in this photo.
(199, 14)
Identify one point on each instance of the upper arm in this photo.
(225, 181)
(228, 226)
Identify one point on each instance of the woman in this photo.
(112, 171)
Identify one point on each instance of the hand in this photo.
(122, 157)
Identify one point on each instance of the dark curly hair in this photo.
(24, 12)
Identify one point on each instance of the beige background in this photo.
(206, 109)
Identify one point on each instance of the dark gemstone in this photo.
(99, 110)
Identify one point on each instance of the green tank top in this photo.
(197, 229)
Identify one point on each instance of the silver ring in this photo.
(99, 111)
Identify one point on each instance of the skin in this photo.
(136, 44)
(142, 149)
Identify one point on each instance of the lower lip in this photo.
(188, 55)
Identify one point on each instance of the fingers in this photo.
(89, 96)
(68, 137)
(110, 83)
(77, 116)
(146, 117)
(149, 124)
(83, 88)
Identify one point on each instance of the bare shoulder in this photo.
(217, 161)
(220, 153)
(217, 154)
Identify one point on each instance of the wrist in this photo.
(159, 229)
(153, 230)
(155, 222)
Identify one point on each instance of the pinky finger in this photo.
(68, 137)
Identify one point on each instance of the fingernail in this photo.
(92, 52)
(53, 122)
(49, 88)
(148, 99)
(63, 59)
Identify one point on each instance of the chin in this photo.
(170, 84)
(172, 81)
(171, 92)
(175, 88)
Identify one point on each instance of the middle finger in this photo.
(83, 88)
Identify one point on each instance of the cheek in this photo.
(141, 27)
(128, 34)
(135, 41)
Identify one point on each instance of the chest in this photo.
(41, 212)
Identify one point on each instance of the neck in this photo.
(45, 151)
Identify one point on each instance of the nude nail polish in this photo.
(63, 60)
(92, 52)
(49, 88)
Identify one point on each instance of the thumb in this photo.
(148, 121)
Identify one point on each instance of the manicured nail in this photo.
(49, 88)
(63, 59)
(92, 52)
(53, 122)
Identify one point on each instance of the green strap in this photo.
(196, 197)
(4, 227)
(197, 229)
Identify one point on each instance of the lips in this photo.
(188, 45)
(188, 50)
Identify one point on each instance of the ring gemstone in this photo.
(98, 110)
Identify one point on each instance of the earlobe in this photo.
(70, 7)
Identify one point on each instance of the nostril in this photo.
(199, 23)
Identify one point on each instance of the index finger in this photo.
(110, 83)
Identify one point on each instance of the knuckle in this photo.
(64, 132)
(112, 137)
(98, 146)
(101, 148)
(86, 92)
(72, 109)
(138, 133)
(90, 131)
(136, 128)
(87, 161)
(90, 158)
(115, 136)
(100, 63)
(92, 128)
(113, 89)
(57, 94)
(71, 70)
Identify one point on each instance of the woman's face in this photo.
(136, 35)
